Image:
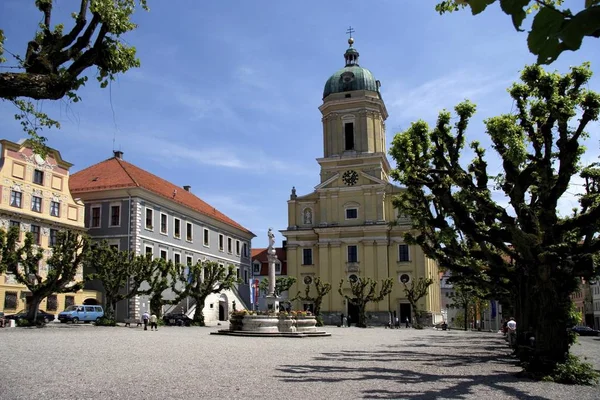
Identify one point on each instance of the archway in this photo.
(90, 302)
(223, 307)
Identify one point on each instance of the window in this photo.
(221, 244)
(36, 204)
(38, 177)
(10, 300)
(349, 135)
(16, 224)
(177, 228)
(15, 198)
(69, 301)
(189, 260)
(163, 223)
(95, 222)
(163, 254)
(177, 258)
(246, 276)
(307, 257)
(403, 255)
(52, 303)
(55, 208)
(256, 268)
(35, 231)
(352, 253)
(245, 249)
(229, 245)
(189, 231)
(278, 268)
(115, 215)
(351, 213)
(206, 238)
(114, 247)
(237, 273)
(149, 251)
(52, 240)
(149, 218)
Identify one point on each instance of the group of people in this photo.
(152, 319)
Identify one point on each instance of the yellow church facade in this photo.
(35, 198)
(347, 228)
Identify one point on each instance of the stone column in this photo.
(272, 302)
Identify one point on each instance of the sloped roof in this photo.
(261, 254)
(116, 173)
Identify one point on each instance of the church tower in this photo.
(347, 227)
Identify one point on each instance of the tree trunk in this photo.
(199, 314)
(362, 316)
(32, 311)
(156, 305)
(466, 316)
(109, 310)
(35, 86)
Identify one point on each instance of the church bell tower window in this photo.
(349, 135)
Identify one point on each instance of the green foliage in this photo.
(414, 292)
(161, 275)
(120, 272)
(364, 291)
(61, 267)
(282, 284)
(56, 59)
(201, 280)
(574, 372)
(9, 258)
(321, 290)
(105, 321)
(554, 28)
(526, 250)
(24, 323)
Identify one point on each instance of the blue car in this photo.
(81, 313)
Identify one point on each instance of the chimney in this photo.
(118, 154)
(187, 188)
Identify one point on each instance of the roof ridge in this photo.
(127, 172)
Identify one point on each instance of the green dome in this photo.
(350, 78)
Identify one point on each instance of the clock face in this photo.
(350, 178)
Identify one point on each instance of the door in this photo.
(352, 314)
(221, 312)
(405, 313)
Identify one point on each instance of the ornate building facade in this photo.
(36, 199)
(347, 227)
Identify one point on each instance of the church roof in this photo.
(115, 173)
(351, 77)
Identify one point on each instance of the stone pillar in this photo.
(272, 301)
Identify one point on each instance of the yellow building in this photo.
(343, 229)
(36, 198)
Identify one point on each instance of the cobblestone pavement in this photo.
(88, 362)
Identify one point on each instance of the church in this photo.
(347, 228)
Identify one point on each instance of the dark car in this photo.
(42, 316)
(585, 331)
(177, 319)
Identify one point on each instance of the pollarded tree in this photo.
(200, 280)
(364, 291)
(415, 292)
(121, 274)
(56, 61)
(527, 247)
(161, 275)
(321, 290)
(8, 243)
(554, 29)
(63, 265)
(282, 284)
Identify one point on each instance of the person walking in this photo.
(511, 327)
(145, 319)
(407, 322)
(153, 322)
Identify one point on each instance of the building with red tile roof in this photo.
(260, 271)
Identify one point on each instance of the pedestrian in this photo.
(349, 322)
(397, 323)
(145, 319)
(511, 326)
(407, 322)
(153, 322)
(344, 321)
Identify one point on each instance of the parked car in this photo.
(81, 313)
(42, 316)
(585, 331)
(177, 319)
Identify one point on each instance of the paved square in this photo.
(88, 362)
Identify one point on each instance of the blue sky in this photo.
(227, 96)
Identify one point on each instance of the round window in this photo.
(404, 278)
(308, 280)
(353, 278)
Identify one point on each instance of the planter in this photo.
(260, 323)
(306, 324)
(286, 324)
(236, 322)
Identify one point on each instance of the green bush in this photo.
(25, 322)
(574, 372)
(319, 320)
(104, 321)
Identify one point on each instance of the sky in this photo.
(226, 99)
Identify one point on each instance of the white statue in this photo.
(271, 238)
(308, 216)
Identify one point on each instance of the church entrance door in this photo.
(405, 313)
(352, 314)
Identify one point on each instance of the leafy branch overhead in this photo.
(554, 28)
